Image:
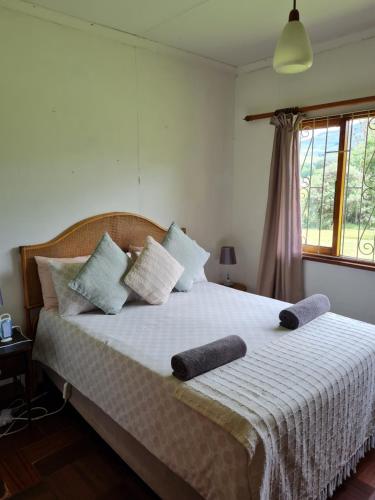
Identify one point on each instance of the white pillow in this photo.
(70, 302)
(45, 277)
(134, 253)
(154, 273)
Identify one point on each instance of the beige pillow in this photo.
(45, 277)
(134, 253)
(154, 273)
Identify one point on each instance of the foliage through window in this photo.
(337, 157)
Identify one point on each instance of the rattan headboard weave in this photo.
(81, 239)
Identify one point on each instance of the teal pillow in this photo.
(188, 253)
(100, 279)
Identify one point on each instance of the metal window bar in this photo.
(363, 181)
(349, 126)
(309, 190)
(323, 180)
(368, 190)
(305, 181)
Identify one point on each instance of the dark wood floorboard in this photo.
(61, 458)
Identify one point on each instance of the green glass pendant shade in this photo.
(293, 52)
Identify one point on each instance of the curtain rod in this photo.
(335, 104)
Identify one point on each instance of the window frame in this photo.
(332, 254)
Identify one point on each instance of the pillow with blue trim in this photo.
(188, 253)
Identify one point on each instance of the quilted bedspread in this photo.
(303, 406)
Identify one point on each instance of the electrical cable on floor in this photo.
(21, 418)
(15, 407)
(8, 431)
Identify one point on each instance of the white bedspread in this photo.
(304, 407)
(122, 363)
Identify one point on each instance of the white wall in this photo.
(82, 117)
(342, 73)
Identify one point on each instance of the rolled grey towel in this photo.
(189, 364)
(304, 311)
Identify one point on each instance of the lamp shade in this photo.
(227, 256)
(293, 52)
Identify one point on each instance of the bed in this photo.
(234, 433)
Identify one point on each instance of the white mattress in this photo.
(122, 363)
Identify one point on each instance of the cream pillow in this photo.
(135, 251)
(45, 277)
(154, 273)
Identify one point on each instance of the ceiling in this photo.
(235, 32)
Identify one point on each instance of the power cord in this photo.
(22, 418)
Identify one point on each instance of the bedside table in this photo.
(15, 359)
(238, 286)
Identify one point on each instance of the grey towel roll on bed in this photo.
(304, 311)
(193, 362)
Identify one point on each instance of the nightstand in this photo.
(15, 359)
(238, 286)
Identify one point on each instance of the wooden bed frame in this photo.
(81, 239)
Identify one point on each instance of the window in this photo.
(337, 157)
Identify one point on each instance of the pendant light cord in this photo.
(294, 14)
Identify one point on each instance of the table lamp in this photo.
(228, 258)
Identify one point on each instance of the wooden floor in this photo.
(61, 457)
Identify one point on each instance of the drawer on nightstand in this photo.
(12, 366)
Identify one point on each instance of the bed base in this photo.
(154, 473)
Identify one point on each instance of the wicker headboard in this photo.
(81, 239)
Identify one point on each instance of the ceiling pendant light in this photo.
(293, 52)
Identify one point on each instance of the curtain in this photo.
(280, 272)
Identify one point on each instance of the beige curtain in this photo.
(280, 272)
